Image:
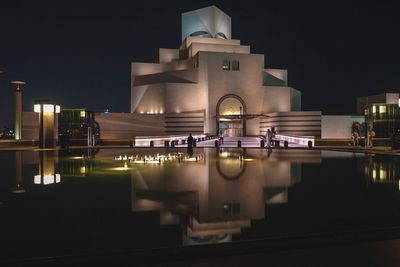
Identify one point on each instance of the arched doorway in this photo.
(230, 122)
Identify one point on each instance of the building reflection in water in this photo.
(77, 163)
(51, 166)
(47, 173)
(219, 196)
(19, 188)
(381, 169)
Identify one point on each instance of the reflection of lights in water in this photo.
(120, 169)
(83, 169)
(382, 174)
(47, 179)
(399, 185)
(157, 158)
(248, 159)
(224, 154)
(19, 189)
(77, 157)
(374, 174)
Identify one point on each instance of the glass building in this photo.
(78, 127)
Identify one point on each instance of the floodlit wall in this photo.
(338, 127)
(129, 125)
(30, 125)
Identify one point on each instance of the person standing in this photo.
(371, 135)
(268, 138)
(190, 140)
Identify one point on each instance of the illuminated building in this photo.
(211, 84)
(382, 114)
(220, 195)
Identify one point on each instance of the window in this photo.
(226, 65)
(382, 109)
(235, 65)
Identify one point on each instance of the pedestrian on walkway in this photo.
(371, 135)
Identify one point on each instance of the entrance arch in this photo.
(230, 122)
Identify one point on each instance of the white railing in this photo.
(159, 141)
(301, 140)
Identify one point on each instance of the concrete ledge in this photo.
(17, 143)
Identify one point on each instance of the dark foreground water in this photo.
(82, 202)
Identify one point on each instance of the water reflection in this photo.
(19, 188)
(47, 173)
(219, 196)
(49, 167)
(380, 169)
(77, 163)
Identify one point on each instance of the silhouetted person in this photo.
(190, 151)
(190, 141)
(269, 151)
(268, 138)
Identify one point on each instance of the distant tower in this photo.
(18, 109)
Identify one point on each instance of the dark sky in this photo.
(79, 53)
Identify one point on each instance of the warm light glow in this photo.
(382, 109)
(76, 157)
(48, 108)
(120, 169)
(83, 169)
(382, 174)
(37, 179)
(36, 108)
(48, 179)
(373, 109)
(83, 114)
(224, 154)
(224, 119)
(374, 174)
(231, 112)
(58, 109)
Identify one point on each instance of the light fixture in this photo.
(46, 108)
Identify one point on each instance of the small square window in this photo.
(226, 65)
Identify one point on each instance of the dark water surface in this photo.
(56, 203)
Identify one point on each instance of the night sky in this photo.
(79, 53)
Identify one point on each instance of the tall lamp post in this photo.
(18, 109)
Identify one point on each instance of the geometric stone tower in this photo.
(208, 22)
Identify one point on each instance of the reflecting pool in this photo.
(55, 203)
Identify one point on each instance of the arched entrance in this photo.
(230, 122)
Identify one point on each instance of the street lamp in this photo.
(18, 108)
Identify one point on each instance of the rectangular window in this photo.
(226, 65)
(382, 109)
(235, 65)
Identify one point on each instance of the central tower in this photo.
(208, 22)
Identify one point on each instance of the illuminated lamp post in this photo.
(47, 169)
(48, 123)
(18, 109)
